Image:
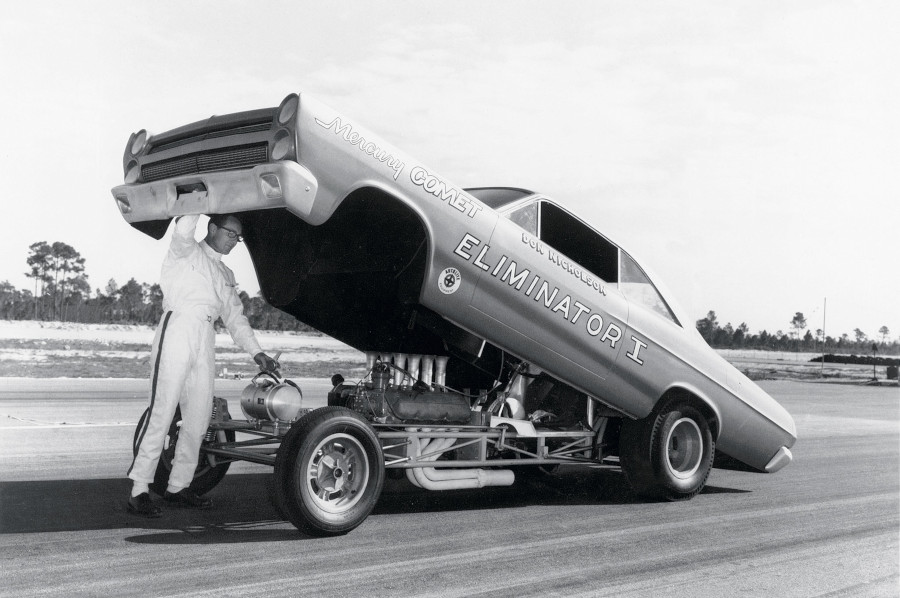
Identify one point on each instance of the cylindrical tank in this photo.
(270, 401)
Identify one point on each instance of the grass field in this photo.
(768, 366)
(67, 350)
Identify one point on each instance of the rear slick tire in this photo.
(669, 454)
(329, 472)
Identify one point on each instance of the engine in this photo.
(409, 389)
(409, 392)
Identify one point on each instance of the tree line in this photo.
(62, 293)
(798, 338)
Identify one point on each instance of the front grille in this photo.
(222, 159)
(264, 125)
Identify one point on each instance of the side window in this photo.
(637, 288)
(526, 217)
(565, 233)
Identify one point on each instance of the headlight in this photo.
(132, 172)
(283, 148)
(139, 143)
(288, 109)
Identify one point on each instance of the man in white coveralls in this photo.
(197, 288)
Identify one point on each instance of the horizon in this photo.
(811, 327)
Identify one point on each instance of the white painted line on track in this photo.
(33, 424)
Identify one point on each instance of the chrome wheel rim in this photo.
(337, 474)
(684, 448)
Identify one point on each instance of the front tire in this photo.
(208, 473)
(329, 472)
(669, 454)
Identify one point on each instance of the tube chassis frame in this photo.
(583, 446)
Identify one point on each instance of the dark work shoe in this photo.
(188, 498)
(143, 506)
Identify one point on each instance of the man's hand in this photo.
(266, 363)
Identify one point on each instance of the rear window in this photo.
(637, 288)
(526, 217)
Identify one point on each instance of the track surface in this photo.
(827, 525)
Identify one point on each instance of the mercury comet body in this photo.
(488, 311)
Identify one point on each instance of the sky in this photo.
(747, 152)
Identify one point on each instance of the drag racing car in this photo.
(503, 334)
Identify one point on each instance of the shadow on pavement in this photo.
(243, 511)
(579, 487)
(78, 505)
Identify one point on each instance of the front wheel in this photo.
(329, 472)
(668, 454)
(208, 473)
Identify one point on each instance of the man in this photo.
(197, 289)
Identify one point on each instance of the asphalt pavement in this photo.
(827, 525)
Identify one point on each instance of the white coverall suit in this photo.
(197, 289)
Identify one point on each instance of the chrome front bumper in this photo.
(284, 184)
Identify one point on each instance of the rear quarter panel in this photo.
(752, 425)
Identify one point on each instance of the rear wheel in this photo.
(208, 473)
(329, 472)
(668, 454)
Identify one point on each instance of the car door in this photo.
(550, 287)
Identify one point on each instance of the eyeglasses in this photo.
(232, 234)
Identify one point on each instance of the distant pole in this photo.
(824, 336)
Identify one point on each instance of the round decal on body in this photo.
(449, 280)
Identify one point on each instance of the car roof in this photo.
(497, 197)
(502, 200)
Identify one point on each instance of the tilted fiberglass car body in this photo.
(503, 333)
